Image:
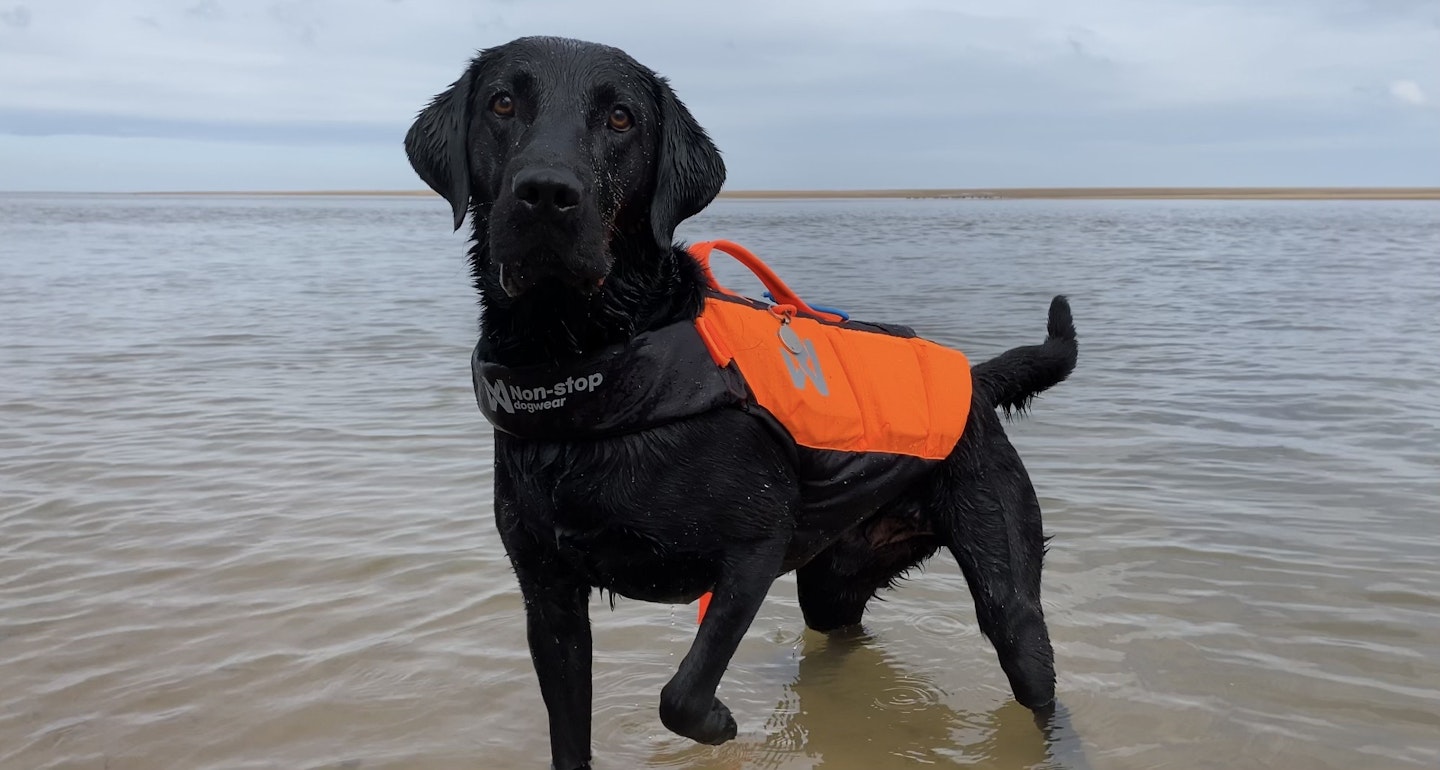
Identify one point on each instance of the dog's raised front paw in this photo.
(711, 727)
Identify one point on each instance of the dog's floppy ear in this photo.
(438, 144)
(688, 168)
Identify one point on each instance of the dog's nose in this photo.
(547, 189)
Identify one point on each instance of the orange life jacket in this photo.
(833, 384)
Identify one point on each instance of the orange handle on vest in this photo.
(783, 294)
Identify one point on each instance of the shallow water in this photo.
(245, 505)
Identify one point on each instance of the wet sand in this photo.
(1116, 193)
(996, 193)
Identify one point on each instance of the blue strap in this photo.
(844, 316)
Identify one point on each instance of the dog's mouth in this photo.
(517, 280)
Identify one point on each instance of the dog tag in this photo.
(789, 338)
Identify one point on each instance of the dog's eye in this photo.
(502, 105)
(621, 120)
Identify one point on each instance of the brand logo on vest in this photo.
(511, 399)
(804, 364)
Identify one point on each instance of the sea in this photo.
(246, 509)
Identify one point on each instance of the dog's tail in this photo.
(1014, 378)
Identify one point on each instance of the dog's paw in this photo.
(718, 727)
(711, 727)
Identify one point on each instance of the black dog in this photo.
(576, 164)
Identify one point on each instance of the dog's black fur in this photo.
(576, 164)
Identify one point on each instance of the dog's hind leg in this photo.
(986, 511)
(835, 586)
(833, 596)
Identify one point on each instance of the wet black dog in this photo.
(576, 164)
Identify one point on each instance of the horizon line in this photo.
(1129, 192)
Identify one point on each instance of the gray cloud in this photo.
(839, 92)
(17, 17)
(210, 10)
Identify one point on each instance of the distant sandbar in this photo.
(996, 193)
(1116, 193)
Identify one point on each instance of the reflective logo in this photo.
(497, 396)
(511, 399)
(804, 365)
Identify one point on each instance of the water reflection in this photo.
(851, 706)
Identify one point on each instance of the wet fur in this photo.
(711, 502)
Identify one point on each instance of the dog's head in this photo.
(558, 148)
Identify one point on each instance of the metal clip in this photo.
(788, 337)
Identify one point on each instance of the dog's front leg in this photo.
(688, 705)
(557, 616)
(557, 625)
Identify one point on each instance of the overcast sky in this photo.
(307, 94)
